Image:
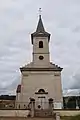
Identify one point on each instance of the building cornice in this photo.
(40, 69)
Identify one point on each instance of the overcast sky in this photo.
(18, 19)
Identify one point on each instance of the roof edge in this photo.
(40, 69)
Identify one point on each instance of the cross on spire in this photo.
(40, 11)
(40, 31)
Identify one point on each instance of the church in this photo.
(40, 79)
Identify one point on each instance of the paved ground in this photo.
(19, 118)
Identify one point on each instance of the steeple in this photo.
(40, 27)
(40, 31)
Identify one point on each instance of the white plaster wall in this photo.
(14, 113)
(41, 63)
(40, 51)
(36, 48)
(33, 81)
(18, 100)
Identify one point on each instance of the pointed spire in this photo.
(40, 27)
(40, 31)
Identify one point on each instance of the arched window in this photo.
(40, 44)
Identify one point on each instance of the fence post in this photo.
(32, 106)
(57, 116)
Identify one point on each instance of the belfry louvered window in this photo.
(40, 44)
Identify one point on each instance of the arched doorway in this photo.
(41, 99)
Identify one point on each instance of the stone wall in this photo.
(14, 113)
(24, 113)
(68, 112)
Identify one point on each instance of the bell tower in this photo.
(40, 41)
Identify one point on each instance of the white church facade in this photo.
(41, 79)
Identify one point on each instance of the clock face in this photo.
(41, 57)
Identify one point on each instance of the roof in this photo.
(40, 31)
(18, 89)
(40, 69)
(40, 27)
(52, 67)
(7, 97)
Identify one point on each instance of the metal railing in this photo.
(26, 105)
(38, 105)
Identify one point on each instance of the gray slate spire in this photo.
(40, 31)
(40, 27)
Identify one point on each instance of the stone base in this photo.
(43, 113)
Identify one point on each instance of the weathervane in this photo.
(40, 11)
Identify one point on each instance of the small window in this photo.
(40, 44)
